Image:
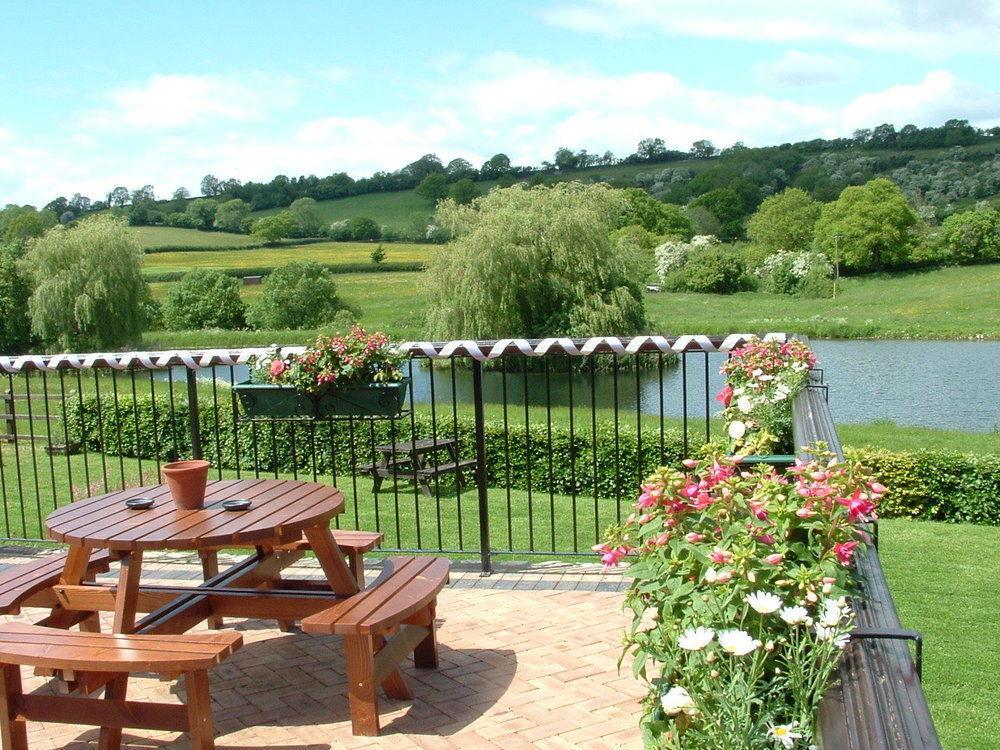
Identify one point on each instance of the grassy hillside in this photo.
(402, 211)
(324, 252)
(177, 237)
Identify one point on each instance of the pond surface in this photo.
(943, 384)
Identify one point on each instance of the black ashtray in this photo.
(139, 503)
(241, 504)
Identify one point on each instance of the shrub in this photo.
(971, 236)
(204, 299)
(338, 231)
(713, 269)
(305, 214)
(296, 295)
(673, 254)
(805, 273)
(271, 229)
(363, 228)
(464, 191)
(784, 222)
(15, 289)
(232, 215)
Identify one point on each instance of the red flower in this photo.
(725, 396)
(845, 552)
(277, 367)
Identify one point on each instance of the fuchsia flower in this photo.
(720, 556)
(774, 559)
(694, 537)
(725, 396)
(611, 556)
(650, 496)
(277, 368)
(845, 552)
(859, 507)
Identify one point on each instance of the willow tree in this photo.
(536, 262)
(88, 287)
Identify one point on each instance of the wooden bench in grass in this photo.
(382, 626)
(28, 584)
(72, 652)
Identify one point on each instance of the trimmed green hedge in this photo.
(937, 486)
(517, 458)
(152, 250)
(391, 266)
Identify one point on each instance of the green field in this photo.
(403, 210)
(947, 303)
(322, 252)
(177, 237)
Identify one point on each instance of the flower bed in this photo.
(740, 597)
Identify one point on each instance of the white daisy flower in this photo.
(785, 734)
(737, 429)
(794, 615)
(695, 639)
(744, 404)
(737, 642)
(764, 602)
(676, 700)
(830, 634)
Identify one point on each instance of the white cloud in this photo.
(934, 27)
(795, 68)
(166, 102)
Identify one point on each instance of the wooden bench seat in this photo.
(28, 583)
(381, 626)
(120, 655)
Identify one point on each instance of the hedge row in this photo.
(930, 485)
(368, 267)
(223, 248)
(516, 457)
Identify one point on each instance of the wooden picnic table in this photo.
(415, 461)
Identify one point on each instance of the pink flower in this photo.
(694, 537)
(878, 489)
(859, 507)
(805, 511)
(720, 556)
(650, 496)
(610, 556)
(767, 539)
(845, 552)
(725, 396)
(774, 559)
(277, 368)
(662, 538)
(689, 463)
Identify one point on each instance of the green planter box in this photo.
(780, 462)
(375, 400)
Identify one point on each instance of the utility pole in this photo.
(836, 262)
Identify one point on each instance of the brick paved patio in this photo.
(528, 660)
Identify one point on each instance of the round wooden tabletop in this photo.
(280, 511)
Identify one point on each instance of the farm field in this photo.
(177, 237)
(403, 210)
(323, 252)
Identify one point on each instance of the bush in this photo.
(712, 269)
(363, 228)
(296, 295)
(338, 231)
(378, 255)
(971, 237)
(204, 299)
(271, 229)
(15, 289)
(806, 274)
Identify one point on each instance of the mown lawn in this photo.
(943, 303)
(175, 236)
(322, 252)
(943, 578)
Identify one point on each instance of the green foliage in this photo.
(535, 262)
(204, 298)
(712, 269)
(464, 191)
(971, 237)
(271, 229)
(660, 218)
(232, 216)
(201, 213)
(15, 289)
(336, 268)
(19, 223)
(936, 485)
(784, 222)
(296, 295)
(363, 228)
(873, 223)
(378, 255)
(88, 285)
(433, 187)
(306, 216)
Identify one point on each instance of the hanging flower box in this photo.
(352, 375)
(376, 399)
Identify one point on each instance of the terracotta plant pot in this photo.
(187, 480)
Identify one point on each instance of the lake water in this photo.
(943, 384)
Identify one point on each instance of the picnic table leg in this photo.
(13, 731)
(331, 559)
(360, 653)
(128, 592)
(425, 655)
(199, 706)
(210, 569)
(74, 571)
(394, 684)
(93, 623)
(111, 737)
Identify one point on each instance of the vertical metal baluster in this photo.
(48, 439)
(506, 454)
(312, 447)
(293, 426)
(638, 421)
(173, 412)
(684, 397)
(235, 412)
(390, 471)
(215, 421)
(572, 453)
(274, 446)
(354, 470)
(659, 388)
(548, 430)
(118, 427)
(395, 485)
(434, 436)
(527, 458)
(17, 456)
(83, 430)
(593, 446)
(100, 431)
(708, 404)
(413, 439)
(156, 424)
(458, 451)
(481, 490)
(135, 421)
(331, 427)
(3, 493)
(618, 456)
(34, 450)
(255, 446)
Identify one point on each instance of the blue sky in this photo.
(136, 93)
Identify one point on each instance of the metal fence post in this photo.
(194, 418)
(484, 511)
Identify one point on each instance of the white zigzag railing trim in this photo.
(480, 350)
